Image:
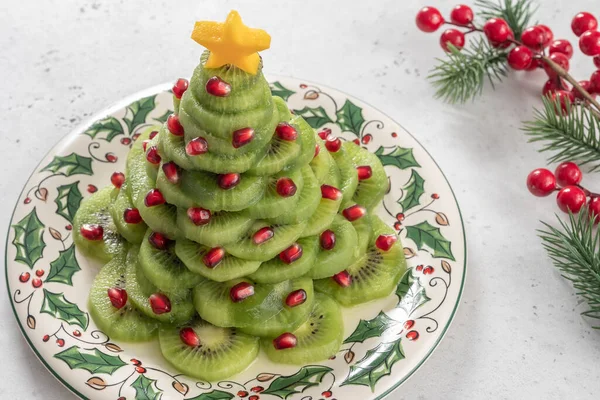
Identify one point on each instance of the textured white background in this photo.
(517, 334)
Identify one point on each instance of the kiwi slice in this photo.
(281, 153)
(151, 169)
(321, 163)
(272, 204)
(363, 232)
(192, 253)
(307, 203)
(374, 275)
(284, 112)
(348, 174)
(220, 353)
(370, 191)
(275, 270)
(307, 141)
(127, 323)
(319, 338)
(133, 233)
(224, 227)
(322, 217)
(135, 170)
(284, 236)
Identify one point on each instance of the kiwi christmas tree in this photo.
(236, 226)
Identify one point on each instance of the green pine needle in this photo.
(517, 14)
(574, 248)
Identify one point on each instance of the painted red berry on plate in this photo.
(213, 257)
(497, 31)
(257, 389)
(385, 242)
(286, 132)
(367, 138)
(92, 231)
(159, 303)
(189, 337)
(242, 137)
(412, 335)
(117, 297)
(409, 324)
(330, 192)
(324, 133)
(291, 254)
(295, 298)
(452, 37)
(110, 157)
(39, 273)
(429, 19)
(571, 198)
(242, 393)
(254, 397)
(24, 277)
(428, 270)
(241, 291)
(327, 394)
(568, 173)
(285, 341)
(154, 198)
(126, 141)
(354, 212)
(327, 239)
(583, 22)
(541, 182)
(60, 342)
(36, 282)
(171, 171)
(400, 216)
(46, 338)
(140, 370)
(180, 87)
(228, 181)
(589, 43)
(263, 234)
(343, 278)
(461, 15)
(196, 146)
(159, 241)
(27, 200)
(92, 189)
(76, 333)
(561, 46)
(198, 215)
(520, 58)
(286, 187)
(174, 125)
(68, 227)
(218, 87)
(117, 179)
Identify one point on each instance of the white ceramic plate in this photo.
(386, 340)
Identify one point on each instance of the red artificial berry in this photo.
(324, 133)
(286, 132)
(126, 141)
(541, 182)
(198, 215)
(27, 200)
(228, 181)
(286, 187)
(213, 257)
(461, 15)
(535, 64)
(92, 231)
(196, 146)
(428, 270)
(534, 37)
(561, 60)
(39, 273)
(36, 282)
(333, 144)
(366, 139)
(497, 31)
(429, 19)
(400, 216)
(24, 277)
(354, 212)
(257, 389)
(241, 291)
(327, 394)
(46, 338)
(571, 198)
(356, 142)
(117, 179)
(159, 303)
(330, 192)
(180, 87)
(344, 279)
(92, 189)
(189, 337)
(565, 98)
(520, 58)
(171, 171)
(145, 144)
(174, 125)
(364, 172)
(60, 342)
(594, 209)
(454, 37)
(154, 198)
(117, 297)
(263, 234)
(242, 137)
(317, 150)
(582, 22)
(597, 61)
(218, 87)
(110, 157)
(295, 298)
(327, 239)
(291, 254)
(595, 82)
(409, 324)
(385, 242)
(568, 173)
(242, 393)
(76, 333)
(548, 35)
(412, 335)
(589, 43)
(285, 341)
(140, 370)
(152, 155)
(551, 86)
(419, 268)
(153, 134)
(561, 46)
(132, 216)
(587, 86)
(254, 397)
(159, 241)
(69, 227)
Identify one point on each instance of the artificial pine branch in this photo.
(517, 14)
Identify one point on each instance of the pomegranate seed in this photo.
(92, 231)
(126, 141)
(330, 192)
(39, 273)
(110, 157)
(158, 240)
(343, 278)
(412, 335)
(117, 179)
(189, 337)
(141, 370)
(36, 282)
(145, 144)
(60, 342)
(263, 234)
(286, 132)
(218, 87)
(409, 324)
(364, 172)
(213, 257)
(154, 198)
(132, 216)
(24, 277)
(171, 171)
(117, 297)
(160, 303)
(241, 291)
(228, 181)
(324, 133)
(180, 87)
(333, 144)
(317, 150)
(152, 155)
(285, 341)
(295, 298)
(174, 125)
(198, 215)
(153, 134)
(242, 137)
(328, 239)
(385, 242)
(291, 254)
(90, 189)
(286, 187)
(354, 212)
(196, 146)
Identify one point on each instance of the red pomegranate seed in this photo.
(153, 134)
(354, 212)
(286, 132)
(317, 150)
(333, 144)
(171, 171)
(324, 133)
(145, 144)
(180, 87)
(117, 297)
(152, 155)
(385, 242)
(154, 198)
(295, 298)
(213, 257)
(174, 125)
(158, 240)
(189, 337)
(263, 234)
(291, 254)
(241, 291)
(218, 87)
(228, 181)
(285, 341)
(132, 216)
(242, 137)
(286, 187)
(117, 179)
(198, 215)
(328, 239)
(160, 303)
(343, 278)
(92, 231)
(196, 146)
(364, 172)
(330, 192)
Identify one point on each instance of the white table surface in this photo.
(516, 335)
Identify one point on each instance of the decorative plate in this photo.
(386, 340)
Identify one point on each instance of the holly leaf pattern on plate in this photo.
(413, 191)
(425, 234)
(145, 388)
(93, 360)
(411, 294)
(68, 200)
(350, 118)
(277, 89)
(73, 164)
(29, 239)
(307, 377)
(371, 328)
(64, 267)
(376, 364)
(137, 112)
(214, 395)
(396, 156)
(59, 307)
(163, 118)
(107, 129)
(315, 117)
